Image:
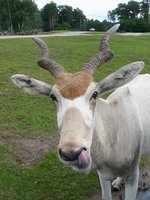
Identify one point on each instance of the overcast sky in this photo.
(96, 9)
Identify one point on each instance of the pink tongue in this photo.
(83, 158)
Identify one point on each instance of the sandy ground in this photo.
(133, 34)
(65, 33)
(31, 151)
(60, 34)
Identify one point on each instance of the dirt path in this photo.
(31, 151)
(59, 34)
(65, 33)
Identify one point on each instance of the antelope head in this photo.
(75, 97)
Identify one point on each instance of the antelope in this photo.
(106, 135)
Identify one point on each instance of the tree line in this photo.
(133, 16)
(65, 17)
(18, 15)
(24, 15)
(62, 17)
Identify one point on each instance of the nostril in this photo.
(66, 156)
(70, 156)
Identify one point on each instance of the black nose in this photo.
(66, 156)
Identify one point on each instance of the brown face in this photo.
(72, 86)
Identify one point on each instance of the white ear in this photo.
(120, 77)
(31, 85)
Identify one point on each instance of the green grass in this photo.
(47, 180)
(21, 55)
(34, 116)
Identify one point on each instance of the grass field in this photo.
(33, 117)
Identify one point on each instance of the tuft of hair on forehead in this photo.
(72, 86)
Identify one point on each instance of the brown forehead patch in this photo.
(73, 85)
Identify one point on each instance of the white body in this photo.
(122, 132)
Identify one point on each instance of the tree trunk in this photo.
(50, 22)
(10, 17)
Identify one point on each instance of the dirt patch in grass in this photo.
(31, 151)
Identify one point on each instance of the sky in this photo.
(93, 9)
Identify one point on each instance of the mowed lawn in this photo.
(34, 117)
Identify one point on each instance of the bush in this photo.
(135, 25)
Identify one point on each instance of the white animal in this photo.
(108, 135)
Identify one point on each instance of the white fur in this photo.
(82, 103)
(31, 85)
(77, 103)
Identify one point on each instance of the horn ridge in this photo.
(43, 46)
(104, 55)
(51, 66)
(45, 62)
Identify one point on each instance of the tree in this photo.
(6, 14)
(62, 17)
(10, 15)
(132, 16)
(97, 25)
(15, 15)
(49, 14)
(26, 12)
(93, 24)
(121, 11)
(125, 11)
(112, 15)
(145, 9)
(133, 9)
(65, 14)
(79, 19)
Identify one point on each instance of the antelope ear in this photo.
(31, 85)
(120, 77)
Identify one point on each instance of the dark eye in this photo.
(53, 97)
(94, 95)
